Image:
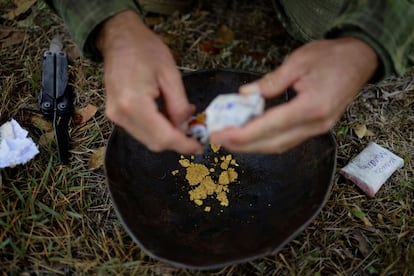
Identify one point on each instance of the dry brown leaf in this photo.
(367, 222)
(208, 47)
(363, 244)
(361, 131)
(10, 37)
(47, 138)
(257, 56)
(21, 7)
(85, 114)
(224, 36)
(41, 123)
(153, 20)
(5, 32)
(169, 39)
(72, 51)
(96, 160)
(369, 133)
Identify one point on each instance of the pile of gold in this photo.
(203, 184)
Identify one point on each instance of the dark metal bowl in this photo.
(277, 196)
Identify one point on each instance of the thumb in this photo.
(178, 107)
(273, 83)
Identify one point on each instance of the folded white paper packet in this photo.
(227, 110)
(371, 168)
(15, 147)
(233, 110)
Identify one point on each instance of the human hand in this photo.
(326, 75)
(138, 68)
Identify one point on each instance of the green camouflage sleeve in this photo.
(82, 17)
(386, 25)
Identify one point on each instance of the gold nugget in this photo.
(204, 186)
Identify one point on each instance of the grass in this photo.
(58, 219)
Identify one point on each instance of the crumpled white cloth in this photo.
(15, 147)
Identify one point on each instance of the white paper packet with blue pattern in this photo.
(371, 168)
(233, 110)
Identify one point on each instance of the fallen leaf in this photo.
(169, 38)
(208, 47)
(41, 123)
(356, 212)
(47, 138)
(22, 6)
(361, 131)
(85, 114)
(372, 270)
(257, 56)
(72, 51)
(224, 36)
(5, 32)
(151, 21)
(96, 160)
(11, 36)
(77, 118)
(363, 244)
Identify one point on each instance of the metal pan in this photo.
(277, 196)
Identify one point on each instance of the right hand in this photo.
(138, 68)
(326, 75)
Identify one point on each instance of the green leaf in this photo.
(342, 131)
(357, 213)
(372, 270)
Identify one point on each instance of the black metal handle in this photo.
(55, 99)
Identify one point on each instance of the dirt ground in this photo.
(57, 219)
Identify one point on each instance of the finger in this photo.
(178, 108)
(276, 82)
(152, 129)
(281, 142)
(159, 135)
(276, 120)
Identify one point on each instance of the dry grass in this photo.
(58, 219)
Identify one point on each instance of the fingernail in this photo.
(250, 88)
(217, 141)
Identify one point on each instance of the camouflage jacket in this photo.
(386, 25)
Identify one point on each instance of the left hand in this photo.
(138, 69)
(326, 75)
